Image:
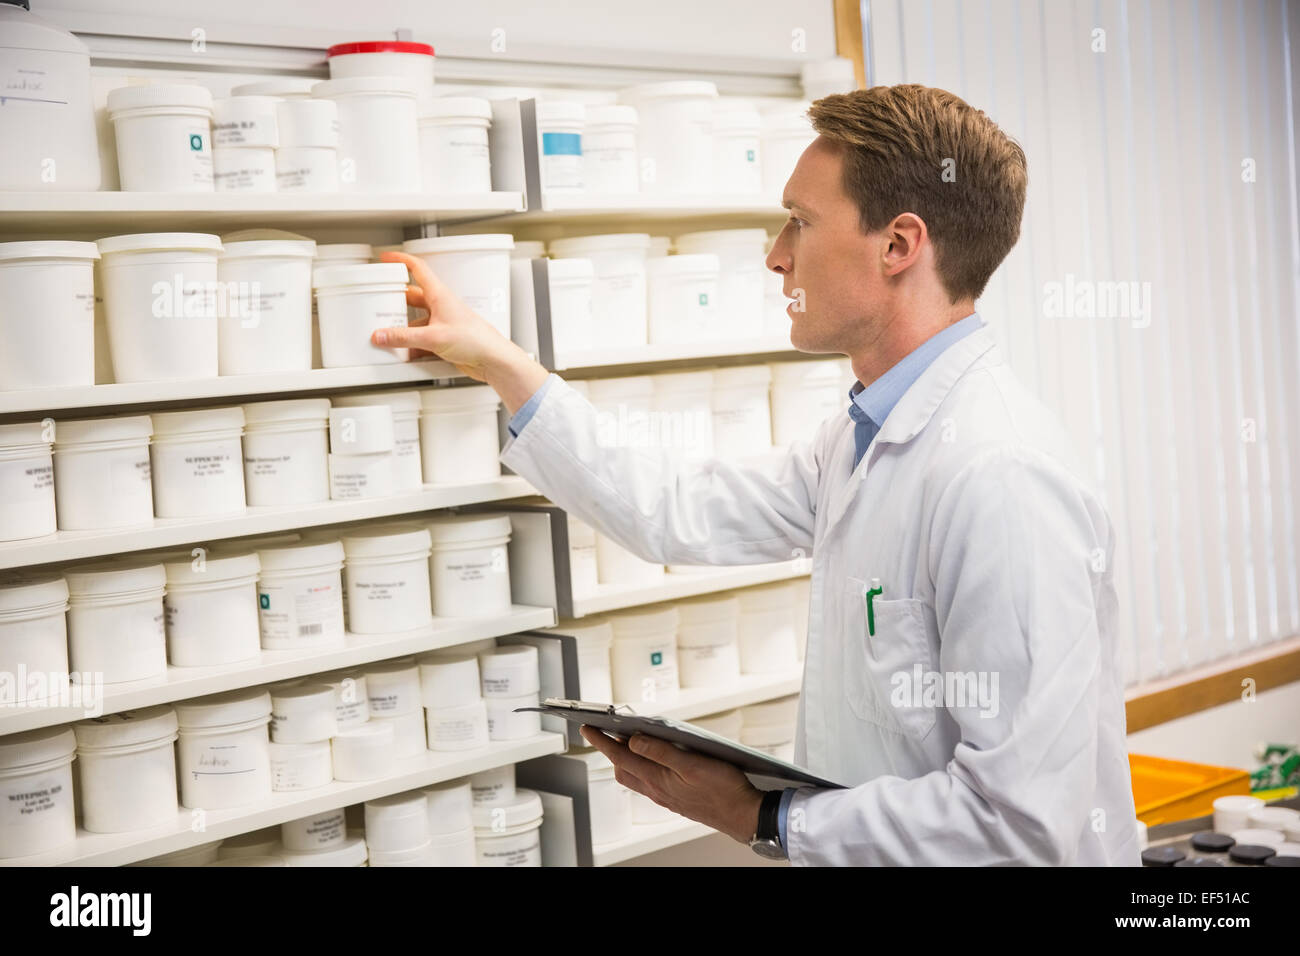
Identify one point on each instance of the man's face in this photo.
(825, 259)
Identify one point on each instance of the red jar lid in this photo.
(379, 46)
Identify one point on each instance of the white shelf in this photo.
(115, 849)
(649, 837)
(183, 683)
(101, 399)
(609, 597)
(595, 210)
(109, 212)
(702, 701)
(168, 532)
(650, 355)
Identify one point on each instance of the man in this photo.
(961, 675)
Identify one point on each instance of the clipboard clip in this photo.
(611, 709)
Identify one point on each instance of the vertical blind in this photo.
(1153, 301)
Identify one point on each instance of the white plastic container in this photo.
(803, 395)
(408, 474)
(27, 508)
(459, 441)
(623, 409)
(200, 855)
(413, 61)
(420, 856)
(161, 299)
(674, 135)
(742, 418)
(559, 133)
(785, 134)
(379, 139)
(36, 807)
(449, 680)
(46, 142)
(493, 787)
(387, 578)
(708, 653)
(619, 566)
(116, 620)
(164, 137)
(300, 595)
(211, 606)
(300, 766)
(198, 463)
(361, 476)
(609, 156)
(683, 299)
(244, 137)
(361, 430)
(286, 452)
(393, 688)
(464, 727)
(266, 325)
(352, 301)
(774, 739)
(34, 633)
(510, 835)
(320, 831)
(643, 656)
(594, 636)
(302, 713)
(454, 145)
(470, 565)
(127, 770)
(618, 293)
(365, 752)
(736, 139)
(409, 733)
(476, 268)
(236, 170)
(281, 87)
(1282, 819)
(584, 578)
(102, 473)
(682, 403)
(571, 283)
(510, 670)
(351, 700)
(505, 724)
(609, 802)
(1253, 837)
(450, 806)
(741, 256)
(224, 755)
(47, 313)
(399, 821)
(307, 160)
(767, 629)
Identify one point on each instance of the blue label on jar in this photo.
(561, 144)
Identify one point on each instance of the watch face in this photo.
(768, 849)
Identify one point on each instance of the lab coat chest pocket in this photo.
(885, 673)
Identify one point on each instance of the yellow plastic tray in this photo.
(1169, 790)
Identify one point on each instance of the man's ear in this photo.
(904, 236)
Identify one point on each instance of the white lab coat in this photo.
(994, 559)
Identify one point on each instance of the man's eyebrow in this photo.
(791, 203)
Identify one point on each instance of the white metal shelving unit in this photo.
(689, 584)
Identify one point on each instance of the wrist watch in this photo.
(766, 841)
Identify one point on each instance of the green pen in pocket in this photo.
(874, 590)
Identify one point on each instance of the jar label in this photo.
(29, 799)
(304, 612)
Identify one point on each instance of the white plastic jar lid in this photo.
(299, 557)
(580, 245)
(217, 568)
(404, 400)
(361, 85)
(225, 419)
(126, 728)
(386, 541)
(160, 242)
(798, 374)
(677, 383)
(101, 579)
(109, 428)
(1256, 837)
(396, 806)
(270, 249)
(403, 670)
(22, 434)
(153, 95)
(612, 114)
(671, 88)
(360, 273)
(507, 659)
(448, 677)
(20, 592)
(461, 529)
(305, 698)
(455, 107)
(560, 111)
(742, 375)
(351, 852)
(1274, 818)
(1239, 802)
(244, 106)
(36, 747)
(525, 808)
(722, 237)
(701, 263)
(485, 242)
(48, 249)
(372, 735)
(571, 269)
(281, 86)
(711, 607)
(313, 750)
(642, 622)
(344, 250)
(314, 410)
(458, 398)
(767, 597)
(218, 710)
(592, 633)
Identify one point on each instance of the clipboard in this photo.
(763, 770)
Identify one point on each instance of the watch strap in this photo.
(769, 817)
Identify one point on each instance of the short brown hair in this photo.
(899, 141)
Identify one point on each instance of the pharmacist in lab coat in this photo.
(970, 701)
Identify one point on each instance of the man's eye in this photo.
(798, 223)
